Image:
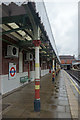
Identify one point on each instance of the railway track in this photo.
(75, 74)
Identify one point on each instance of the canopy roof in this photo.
(18, 23)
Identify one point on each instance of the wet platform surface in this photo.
(55, 100)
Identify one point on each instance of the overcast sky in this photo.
(63, 17)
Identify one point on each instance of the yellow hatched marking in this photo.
(37, 87)
(73, 83)
(53, 66)
(36, 64)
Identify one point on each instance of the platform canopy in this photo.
(19, 22)
(76, 63)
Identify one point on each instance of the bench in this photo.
(25, 79)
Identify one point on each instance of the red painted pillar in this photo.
(53, 75)
(37, 76)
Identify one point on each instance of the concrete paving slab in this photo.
(63, 102)
(64, 115)
(73, 101)
(54, 100)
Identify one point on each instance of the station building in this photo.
(28, 46)
(66, 61)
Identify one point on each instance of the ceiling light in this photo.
(28, 37)
(40, 48)
(5, 27)
(13, 25)
(21, 33)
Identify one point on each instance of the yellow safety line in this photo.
(73, 83)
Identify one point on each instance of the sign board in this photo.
(12, 70)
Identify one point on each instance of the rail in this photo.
(75, 74)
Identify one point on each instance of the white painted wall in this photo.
(9, 85)
(32, 75)
(44, 72)
(0, 85)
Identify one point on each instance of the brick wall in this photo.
(25, 66)
(67, 61)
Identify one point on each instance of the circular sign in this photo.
(12, 72)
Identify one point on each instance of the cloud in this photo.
(61, 1)
(63, 18)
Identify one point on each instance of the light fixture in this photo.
(47, 55)
(40, 48)
(43, 51)
(21, 33)
(5, 27)
(13, 25)
(24, 35)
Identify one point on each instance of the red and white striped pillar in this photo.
(59, 67)
(53, 75)
(56, 69)
(37, 76)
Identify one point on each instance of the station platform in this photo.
(58, 99)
